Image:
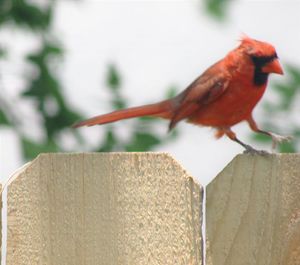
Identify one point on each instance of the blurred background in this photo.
(62, 61)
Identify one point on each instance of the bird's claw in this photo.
(277, 139)
(252, 151)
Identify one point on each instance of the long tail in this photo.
(161, 109)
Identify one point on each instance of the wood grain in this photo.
(113, 208)
(253, 212)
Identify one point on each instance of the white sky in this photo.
(155, 44)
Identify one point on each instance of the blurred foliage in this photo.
(3, 119)
(25, 14)
(277, 115)
(45, 91)
(113, 82)
(217, 8)
(144, 131)
(43, 86)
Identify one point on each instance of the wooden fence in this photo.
(144, 208)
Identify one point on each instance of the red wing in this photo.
(204, 90)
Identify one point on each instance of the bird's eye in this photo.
(262, 60)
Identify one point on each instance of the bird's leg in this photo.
(276, 138)
(249, 148)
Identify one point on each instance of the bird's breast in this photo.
(233, 106)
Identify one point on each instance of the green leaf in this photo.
(172, 135)
(45, 89)
(171, 92)
(287, 147)
(217, 8)
(52, 49)
(287, 93)
(25, 14)
(32, 149)
(142, 142)
(113, 80)
(3, 119)
(147, 119)
(118, 103)
(45, 83)
(3, 52)
(296, 133)
(261, 138)
(294, 71)
(63, 119)
(109, 143)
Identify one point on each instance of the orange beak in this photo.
(273, 67)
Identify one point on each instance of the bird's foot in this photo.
(252, 151)
(277, 139)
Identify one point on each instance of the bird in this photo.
(222, 96)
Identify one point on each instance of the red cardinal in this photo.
(224, 95)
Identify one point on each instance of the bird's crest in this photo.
(256, 47)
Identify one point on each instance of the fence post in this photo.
(253, 212)
(104, 208)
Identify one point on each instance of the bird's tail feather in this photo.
(162, 109)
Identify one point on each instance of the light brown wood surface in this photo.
(253, 212)
(117, 208)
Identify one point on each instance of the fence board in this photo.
(117, 208)
(253, 212)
